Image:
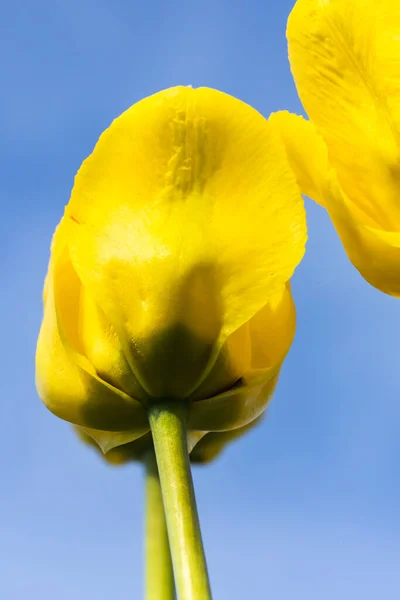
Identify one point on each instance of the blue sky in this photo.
(307, 506)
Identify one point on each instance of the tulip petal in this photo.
(103, 349)
(306, 151)
(237, 407)
(183, 222)
(83, 324)
(270, 333)
(212, 444)
(261, 343)
(86, 330)
(66, 381)
(345, 59)
(132, 443)
(375, 253)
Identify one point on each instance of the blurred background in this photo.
(307, 506)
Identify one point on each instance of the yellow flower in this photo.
(169, 271)
(345, 60)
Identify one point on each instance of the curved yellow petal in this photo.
(272, 331)
(234, 359)
(103, 349)
(345, 59)
(375, 253)
(270, 334)
(261, 343)
(182, 224)
(236, 407)
(85, 328)
(212, 444)
(66, 380)
(306, 151)
(116, 447)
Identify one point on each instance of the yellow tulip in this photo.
(169, 271)
(345, 60)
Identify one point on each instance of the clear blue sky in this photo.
(308, 505)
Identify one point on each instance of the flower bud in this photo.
(169, 271)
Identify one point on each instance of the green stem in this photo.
(168, 426)
(159, 581)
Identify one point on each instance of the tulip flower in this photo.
(167, 302)
(345, 60)
(168, 275)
